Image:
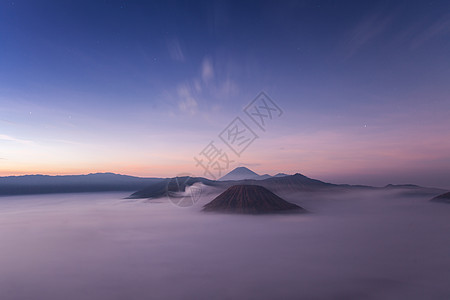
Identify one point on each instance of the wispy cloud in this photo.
(4, 137)
(441, 27)
(195, 96)
(175, 51)
(228, 88)
(68, 142)
(187, 103)
(207, 70)
(8, 122)
(365, 32)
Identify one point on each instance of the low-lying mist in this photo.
(359, 245)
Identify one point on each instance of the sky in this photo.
(144, 88)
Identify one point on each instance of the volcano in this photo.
(240, 173)
(250, 199)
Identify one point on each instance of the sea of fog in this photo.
(101, 246)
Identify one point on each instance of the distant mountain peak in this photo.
(280, 175)
(299, 175)
(243, 169)
(244, 173)
(240, 173)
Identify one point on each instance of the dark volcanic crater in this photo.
(250, 199)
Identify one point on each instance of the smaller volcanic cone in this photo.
(249, 199)
(445, 198)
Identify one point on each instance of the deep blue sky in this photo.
(140, 88)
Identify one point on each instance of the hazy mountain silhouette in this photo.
(158, 187)
(290, 183)
(240, 173)
(294, 182)
(280, 175)
(281, 183)
(162, 187)
(413, 190)
(249, 199)
(99, 182)
(408, 186)
(444, 198)
(243, 173)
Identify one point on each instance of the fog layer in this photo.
(100, 246)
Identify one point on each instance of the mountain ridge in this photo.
(154, 187)
(443, 198)
(244, 173)
(92, 182)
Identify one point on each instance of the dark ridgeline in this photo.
(444, 198)
(45, 184)
(279, 183)
(167, 185)
(159, 187)
(249, 199)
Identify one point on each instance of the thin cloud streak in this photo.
(207, 70)
(175, 51)
(439, 28)
(5, 137)
(366, 32)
